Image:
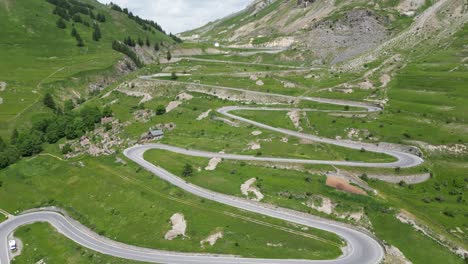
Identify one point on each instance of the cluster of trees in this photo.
(144, 23)
(70, 9)
(129, 41)
(123, 48)
(76, 35)
(132, 43)
(175, 38)
(8, 154)
(51, 128)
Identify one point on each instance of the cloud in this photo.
(180, 15)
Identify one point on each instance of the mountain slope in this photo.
(327, 31)
(35, 52)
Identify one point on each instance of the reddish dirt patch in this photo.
(343, 185)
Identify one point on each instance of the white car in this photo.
(12, 244)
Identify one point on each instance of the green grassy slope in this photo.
(130, 205)
(34, 52)
(44, 243)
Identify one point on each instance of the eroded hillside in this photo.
(334, 31)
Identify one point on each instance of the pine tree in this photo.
(79, 40)
(80, 43)
(148, 43)
(3, 145)
(49, 101)
(169, 55)
(188, 170)
(140, 42)
(74, 32)
(101, 18)
(156, 46)
(61, 23)
(14, 137)
(96, 33)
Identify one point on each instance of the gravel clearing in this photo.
(184, 97)
(254, 146)
(247, 187)
(172, 105)
(295, 119)
(212, 164)
(3, 86)
(326, 207)
(212, 239)
(408, 6)
(204, 115)
(344, 185)
(256, 133)
(146, 96)
(179, 225)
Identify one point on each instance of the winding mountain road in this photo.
(361, 246)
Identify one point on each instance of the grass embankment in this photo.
(213, 135)
(129, 205)
(36, 54)
(45, 244)
(292, 189)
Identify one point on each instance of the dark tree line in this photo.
(77, 36)
(132, 43)
(69, 9)
(175, 38)
(144, 23)
(66, 123)
(97, 32)
(125, 49)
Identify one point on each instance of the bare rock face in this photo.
(356, 32)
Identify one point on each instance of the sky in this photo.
(176, 16)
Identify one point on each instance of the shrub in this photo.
(160, 110)
(187, 171)
(364, 177)
(61, 23)
(66, 149)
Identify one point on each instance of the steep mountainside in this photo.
(331, 31)
(40, 51)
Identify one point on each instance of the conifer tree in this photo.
(61, 23)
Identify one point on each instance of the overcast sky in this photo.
(180, 15)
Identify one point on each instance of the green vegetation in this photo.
(44, 243)
(118, 46)
(37, 56)
(56, 52)
(292, 189)
(106, 184)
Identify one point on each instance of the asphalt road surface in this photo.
(361, 247)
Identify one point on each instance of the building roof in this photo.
(156, 133)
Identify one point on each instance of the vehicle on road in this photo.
(12, 245)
